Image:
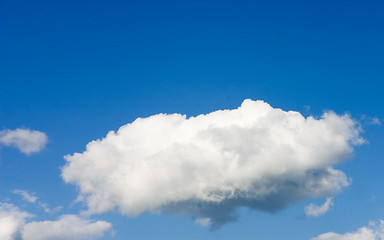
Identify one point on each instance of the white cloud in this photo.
(375, 231)
(67, 227)
(27, 141)
(29, 197)
(207, 166)
(315, 211)
(11, 221)
(13, 226)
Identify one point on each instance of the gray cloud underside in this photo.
(288, 192)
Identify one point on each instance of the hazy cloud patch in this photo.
(376, 121)
(368, 120)
(207, 166)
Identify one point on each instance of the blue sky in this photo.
(76, 70)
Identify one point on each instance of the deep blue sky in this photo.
(78, 69)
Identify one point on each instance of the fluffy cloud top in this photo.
(27, 141)
(375, 231)
(67, 227)
(207, 166)
(315, 211)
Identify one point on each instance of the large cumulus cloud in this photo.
(206, 166)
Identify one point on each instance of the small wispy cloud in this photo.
(27, 196)
(313, 210)
(205, 222)
(368, 120)
(32, 198)
(46, 209)
(27, 141)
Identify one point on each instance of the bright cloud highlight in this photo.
(255, 156)
(27, 141)
(11, 221)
